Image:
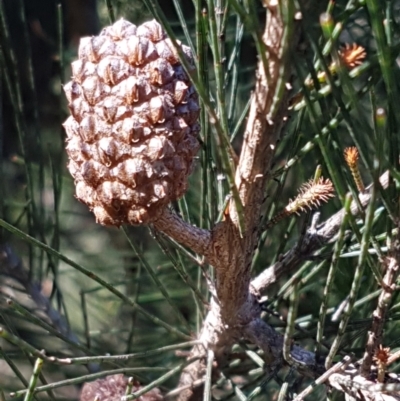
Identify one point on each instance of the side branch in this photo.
(391, 265)
(271, 342)
(312, 242)
(197, 239)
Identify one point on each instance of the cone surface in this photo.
(132, 133)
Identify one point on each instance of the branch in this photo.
(271, 342)
(360, 388)
(226, 248)
(197, 239)
(312, 242)
(379, 315)
(263, 128)
(323, 378)
(11, 265)
(267, 110)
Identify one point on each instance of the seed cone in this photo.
(132, 133)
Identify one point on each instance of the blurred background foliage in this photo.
(44, 228)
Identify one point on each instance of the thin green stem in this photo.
(13, 367)
(90, 377)
(291, 320)
(332, 272)
(125, 357)
(71, 340)
(183, 24)
(159, 381)
(156, 280)
(33, 381)
(110, 10)
(358, 275)
(225, 150)
(208, 376)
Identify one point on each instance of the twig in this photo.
(393, 358)
(177, 391)
(313, 241)
(11, 265)
(51, 251)
(353, 384)
(271, 342)
(34, 378)
(378, 317)
(323, 378)
(90, 377)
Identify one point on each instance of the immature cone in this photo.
(132, 133)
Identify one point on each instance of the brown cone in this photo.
(132, 133)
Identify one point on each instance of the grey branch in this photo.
(313, 241)
(11, 265)
(324, 377)
(391, 264)
(357, 387)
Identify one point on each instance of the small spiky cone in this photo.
(310, 196)
(132, 133)
(381, 358)
(351, 157)
(112, 388)
(352, 55)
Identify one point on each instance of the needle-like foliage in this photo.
(258, 283)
